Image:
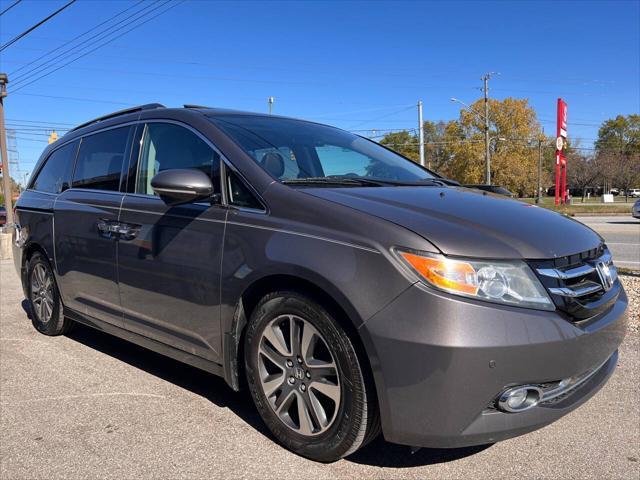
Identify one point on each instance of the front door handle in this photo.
(110, 229)
(104, 228)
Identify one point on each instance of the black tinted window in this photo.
(100, 160)
(240, 195)
(55, 175)
(168, 146)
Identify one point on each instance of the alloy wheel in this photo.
(42, 293)
(298, 375)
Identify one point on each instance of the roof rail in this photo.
(139, 108)
(188, 105)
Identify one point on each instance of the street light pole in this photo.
(6, 177)
(421, 134)
(270, 101)
(487, 153)
(485, 118)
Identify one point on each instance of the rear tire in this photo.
(306, 380)
(44, 298)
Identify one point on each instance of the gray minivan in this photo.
(350, 290)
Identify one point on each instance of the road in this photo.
(87, 405)
(622, 235)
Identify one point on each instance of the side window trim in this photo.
(126, 155)
(136, 162)
(34, 176)
(225, 164)
(227, 167)
(131, 172)
(94, 132)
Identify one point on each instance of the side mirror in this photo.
(179, 186)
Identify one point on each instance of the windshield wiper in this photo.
(350, 181)
(369, 182)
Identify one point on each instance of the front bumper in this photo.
(440, 361)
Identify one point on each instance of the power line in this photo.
(73, 39)
(10, 7)
(32, 28)
(41, 122)
(71, 51)
(80, 99)
(98, 47)
(383, 116)
(30, 139)
(323, 115)
(21, 83)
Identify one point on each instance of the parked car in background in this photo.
(491, 188)
(3, 215)
(635, 210)
(355, 291)
(634, 192)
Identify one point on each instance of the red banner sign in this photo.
(561, 161)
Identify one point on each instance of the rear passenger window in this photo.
(55, 175)
(100, 160)
(168, 146)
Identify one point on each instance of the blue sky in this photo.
(356, 65)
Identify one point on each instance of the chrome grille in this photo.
(580, 285)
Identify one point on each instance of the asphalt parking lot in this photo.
(622, 234)
(90, 406)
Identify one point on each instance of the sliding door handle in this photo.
(126, 232)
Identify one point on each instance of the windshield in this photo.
(295, 150)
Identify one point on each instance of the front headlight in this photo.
(508, 282)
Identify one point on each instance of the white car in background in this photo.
(634, 192)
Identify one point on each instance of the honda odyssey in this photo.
(350, 290)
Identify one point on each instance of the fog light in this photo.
(518, 399)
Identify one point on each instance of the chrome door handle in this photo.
(110, 229)
(103, 227)
(126, 232)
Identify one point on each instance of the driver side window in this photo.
(168, 146)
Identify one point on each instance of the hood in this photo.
(470, 223)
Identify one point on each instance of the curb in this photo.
(5, 246)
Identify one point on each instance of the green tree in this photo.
(14, 189)
(404, 143)
(512, 126)
(620, 134)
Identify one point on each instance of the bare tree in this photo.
(583, 172)
(622, 168)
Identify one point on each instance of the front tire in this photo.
(44, 298)
(306, 380)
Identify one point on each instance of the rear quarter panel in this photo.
(35, 217)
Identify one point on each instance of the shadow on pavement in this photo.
(383, 454)
(378, 453)
(202, 383)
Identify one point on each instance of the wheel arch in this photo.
(343, 312)
(28, 251)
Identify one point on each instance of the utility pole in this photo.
(270, 100)
(421, 133)
(487, 153)
(6, 177)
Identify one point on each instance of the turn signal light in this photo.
(446, 273)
